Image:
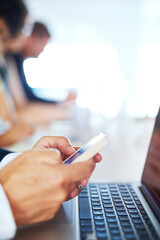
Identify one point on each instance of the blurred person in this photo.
(22, 201)
(11, 129)
(29, 106)
(10, 25)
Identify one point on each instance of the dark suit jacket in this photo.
(3, 153)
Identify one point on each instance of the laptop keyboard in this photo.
(113, 211)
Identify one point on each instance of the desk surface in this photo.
(123, 158)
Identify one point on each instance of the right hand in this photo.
(36, 183)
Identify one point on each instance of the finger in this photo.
(77, 171)
(84, 182)
(61, 143)
(76, 191)
(98, 157)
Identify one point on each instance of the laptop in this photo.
(115, 211)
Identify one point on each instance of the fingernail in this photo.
(84, 182)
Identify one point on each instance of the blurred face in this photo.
(4, 34)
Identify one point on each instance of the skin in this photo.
(16, 133)
(4, 34)
(41, 172)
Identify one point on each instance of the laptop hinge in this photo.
(150, 201)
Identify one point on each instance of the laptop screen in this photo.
(151, 172)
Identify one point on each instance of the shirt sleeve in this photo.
(8, 158)
(7, 222)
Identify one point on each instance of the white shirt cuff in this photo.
(7, 223)
(8, 158)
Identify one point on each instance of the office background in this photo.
(106, 50)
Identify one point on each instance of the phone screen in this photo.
(77, 153)
(89, 149)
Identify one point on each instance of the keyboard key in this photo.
(130, 236)
(120, 208)
(123, 218)
(100, 229)
(96, 203)
(97, 212)
(118, 204)
(132, 211)
(125, 194)
(83, 236)
(136, 198)
(140, 207)
(87, 223)
(135, 216)
(84, 208)
(122, 213)
(101, 235)
(109, 210)
(105, 194)
(99, 223)
(107, 201)
(125, 223)
(94, 195)
(116, 237)
(96, 207)
(98, 217)
(83, 194)
(137, 221)
(95, 200)
(142, 233)
(127, 198)
(117, 200)
(86, 229)
(127, 229)
(131, 206)
(114, 231)
(139, 226)
(105, 198)
(111, 220)
(113, 225)
(110, 214)
(104, 190)
(107, 205)
(128, 202)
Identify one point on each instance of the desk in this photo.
(123, 158)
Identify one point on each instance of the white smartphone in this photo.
(89, 150)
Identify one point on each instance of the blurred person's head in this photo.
(37, 41)
(13, 14)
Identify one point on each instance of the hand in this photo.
(17, 132)
(21, 130)
(60, 143)
(66, 149)
(36, 183)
